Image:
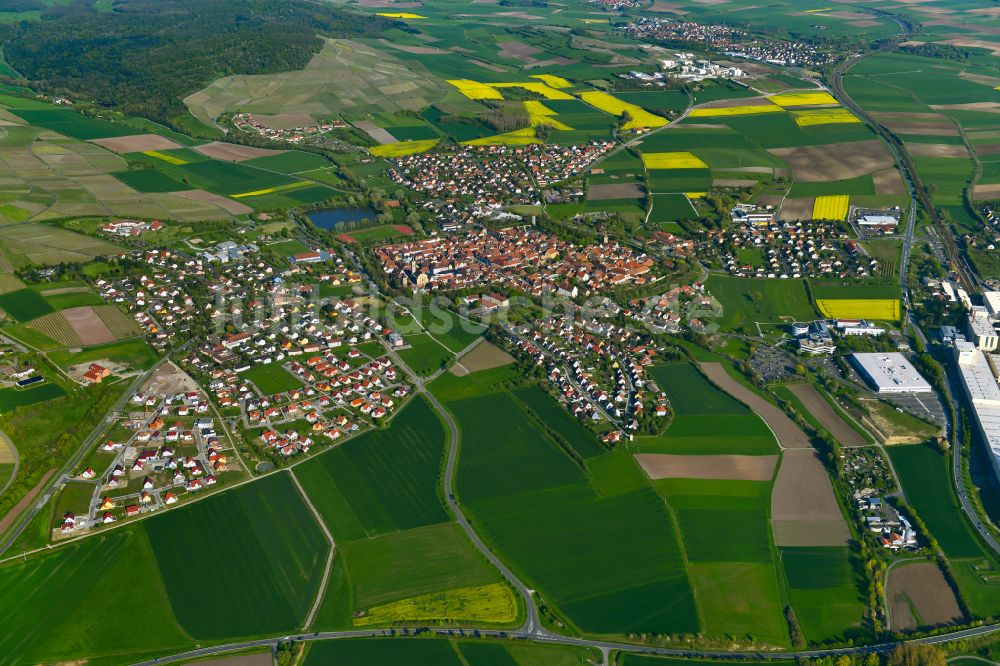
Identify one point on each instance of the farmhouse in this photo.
(890, 373)
(96, 374)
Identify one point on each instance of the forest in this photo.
(145, 56)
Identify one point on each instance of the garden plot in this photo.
(804, 511)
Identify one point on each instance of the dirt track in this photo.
(25, 502)
(923, 585)
(726, 467)
(789, 435)
(828, 417)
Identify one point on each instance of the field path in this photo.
(789, 435)
(321, 592)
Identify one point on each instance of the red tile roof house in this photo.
(96, 374)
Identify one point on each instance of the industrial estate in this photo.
(502, 332)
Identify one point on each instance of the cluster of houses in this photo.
(156, 465)
(247, 122)
(734, 42)
(128, 228)
(789, 249)
(893, 529)
(524, 258)
(669, 312)
(598, 368)
(496, 175)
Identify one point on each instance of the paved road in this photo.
(581, 642)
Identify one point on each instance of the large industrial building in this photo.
(890, 372)
(983, 392)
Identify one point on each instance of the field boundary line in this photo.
(321, 592)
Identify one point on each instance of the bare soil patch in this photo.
(25, 502)
(234, 153)
(865, 23)
(375, 132)
(136, 143)
(990, 191)
(483, 356)
(286, 120)
(169, 379)
(988, 148)
(789, 435)
(419, 50)
(937, 150)
(90, 328)
(920, 587)
(517, 50)
(969, 106)
(804, 511)
(828, 417)
(848, 16)
(796, 209)
(603, 191)
(835, 161)
(733, 182)
(726, 467)
(667, 8)
(992, 47)
(226, 204)
(888, 181)
(65, 290)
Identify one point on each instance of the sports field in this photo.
(262, 532)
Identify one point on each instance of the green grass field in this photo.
(926, 478)
(823, 592)
(260, 549)
(746, 301)
(383, 481)
(706, 420)
(11, 398)
(425, 354)
(538, 509)
(134, 353)
(555, 417)
(24, 304)
(55, 606)
(271, 378)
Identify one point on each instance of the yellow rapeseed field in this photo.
(271, 190)
(815, 98)
(536, 87)
(521, 137)
(695, 195)
(880, 309)
(678, 160)
(475, 89)
(401, 15)
(734, 111)
(823, 117)
(401, 148)
(831, 207)
(610, 104)
(539, 114)
(492, 603)
(170, 159)
(552, 80)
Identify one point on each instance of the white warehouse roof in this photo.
(890, 372)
